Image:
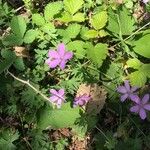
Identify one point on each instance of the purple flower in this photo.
(59, 57)
(141, 106)
(127, 91)
(57, 97)
(81, 100)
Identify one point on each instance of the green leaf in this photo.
(124, 17)
(99, 20)
(138, 78)
(71, 32)
(52, 9)
(38, 19)
(19, 64)
(134, 63)
(18, 26)
(77, 46)
(66, 17)
(58, 118)
(8, 61)
(72, 6)
(12, 40)
(48, 28)
(98, 53)
(30, 36)
(142, 46)
(91, 34)
(78, 17)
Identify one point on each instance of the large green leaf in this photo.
(18, 26)
(9, 58)
(99, 20)
(72, 6)
(98, 53)
(58, 118)
(12, 40)
(52, 9)
(121, 21)
(142, 46)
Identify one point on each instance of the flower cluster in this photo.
(57, 98)
(141, 105)
(60, 58)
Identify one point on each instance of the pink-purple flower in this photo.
(59, 57)
(141, 106)
(127, 91)
(81, 100)
(57, 97)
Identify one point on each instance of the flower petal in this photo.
(147, 107)
(127, 86)
(61, 49)
(62, 64)
(68, 55)
(124, 97)
(54, 63)
(145, 99)
(122, 89)
(142, 113)
(53, 98)
(59, 103)
(134, 98)
(61, 92)
(53, 54)
(134, 109)
(54, 92)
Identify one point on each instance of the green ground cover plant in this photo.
(75, 74)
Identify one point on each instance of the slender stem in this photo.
(137, 31)
(28, 84)
(132, 34)
(102, 132)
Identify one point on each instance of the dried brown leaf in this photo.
(21, 51)
(98, 97)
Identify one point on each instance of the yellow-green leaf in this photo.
(99, 20)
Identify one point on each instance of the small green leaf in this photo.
(38, 19)
(8, 60)
(78, 17)
(137, 78)
(134, 63)
(102, 33)
(72, 6)
(91, 34)
(66, 17)
(19, 64)
(18, 26)
(98, 53)
(77, 46)
(58, 118)
(30, 36)
(52, 9)
(99, 20)
(142, 46)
